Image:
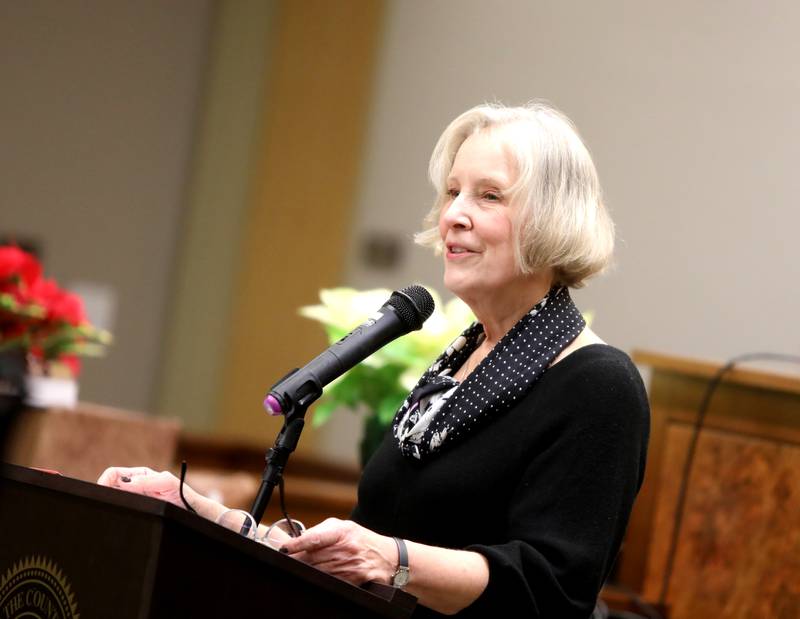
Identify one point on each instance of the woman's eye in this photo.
(492, 196)
(452, 193)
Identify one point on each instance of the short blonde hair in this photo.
(561, 221)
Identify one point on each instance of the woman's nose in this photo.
(456, 214)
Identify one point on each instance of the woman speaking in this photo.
(506, 481)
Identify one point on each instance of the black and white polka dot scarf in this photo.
(440, 410)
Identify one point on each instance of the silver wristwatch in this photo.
(401, 574)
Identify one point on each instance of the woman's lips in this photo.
(457, 252)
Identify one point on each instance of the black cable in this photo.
(180, 489)
(293, 528)
(687, 467)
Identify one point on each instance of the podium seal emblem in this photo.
(36, 587)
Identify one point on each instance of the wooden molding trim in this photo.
(706, 369)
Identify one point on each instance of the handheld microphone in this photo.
(405, 311)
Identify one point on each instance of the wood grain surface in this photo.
(738, 553)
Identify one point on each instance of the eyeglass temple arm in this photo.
(276, 458)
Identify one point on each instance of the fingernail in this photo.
(125, 478)
(284, 550)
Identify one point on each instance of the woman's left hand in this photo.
(346, 550)
(159, 485)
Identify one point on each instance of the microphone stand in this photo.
(277, 457)
(292, 400)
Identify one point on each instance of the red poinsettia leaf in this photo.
(60, 305)
(73, 362)
(66, 307)
(44, 292)
(18, 265)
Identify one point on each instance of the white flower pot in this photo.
(50, 392)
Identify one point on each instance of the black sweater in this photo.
(544, 491)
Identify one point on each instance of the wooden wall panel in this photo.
(739, 549)
(314, 121)
(738, 554)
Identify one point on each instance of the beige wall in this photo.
(691, 112)
(97, 117)
(223, 172)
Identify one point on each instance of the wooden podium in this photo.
(73, 548)
(738, 554)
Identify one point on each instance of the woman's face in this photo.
(476, 219)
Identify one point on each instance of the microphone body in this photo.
(405, 311)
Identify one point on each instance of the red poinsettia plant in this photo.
(36, 316)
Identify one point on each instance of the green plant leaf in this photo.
(16, 342)
(11, 306)
(388, 408)
(322, 412)
(345, 391)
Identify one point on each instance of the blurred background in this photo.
(197, 170)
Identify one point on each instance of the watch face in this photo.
(401, 577)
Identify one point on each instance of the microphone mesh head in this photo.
(414, 305)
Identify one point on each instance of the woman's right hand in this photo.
(160, 485)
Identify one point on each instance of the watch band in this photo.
(401, 574)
